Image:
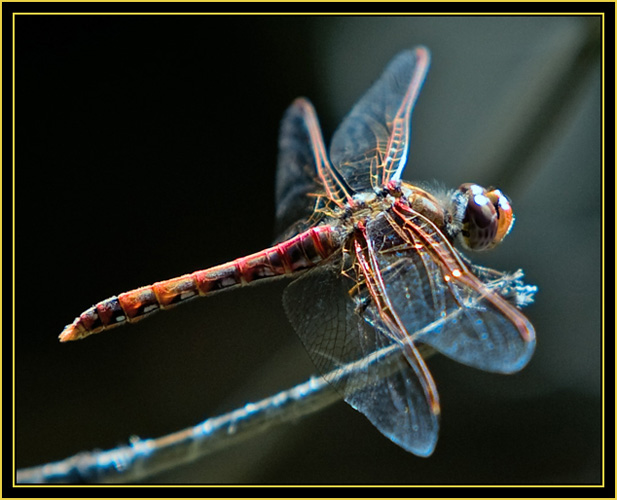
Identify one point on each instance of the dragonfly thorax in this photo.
(365, 205)
(425, 204)
(368, 205)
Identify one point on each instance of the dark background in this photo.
(146, 149)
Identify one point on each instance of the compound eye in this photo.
(488, 217)
(504, 213)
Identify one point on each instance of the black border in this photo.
(374, 9)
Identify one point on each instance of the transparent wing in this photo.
(460, 316)
(306, 184)
(384, 386)
(296, 174)
(371, 145)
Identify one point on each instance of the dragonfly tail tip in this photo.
(69, 333)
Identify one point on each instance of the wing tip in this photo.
(420, 449)
(420, 53)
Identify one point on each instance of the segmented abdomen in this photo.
(300, 252)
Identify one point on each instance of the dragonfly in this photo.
(374, 264)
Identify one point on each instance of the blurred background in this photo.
(146, 148)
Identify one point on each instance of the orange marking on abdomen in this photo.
(173, 291)
(138, 303)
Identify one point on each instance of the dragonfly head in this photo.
(486, 216)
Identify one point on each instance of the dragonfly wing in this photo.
(468, 320)
(296, 174)
(364, 365)
(370, 146)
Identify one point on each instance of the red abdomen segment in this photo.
(296, 254)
